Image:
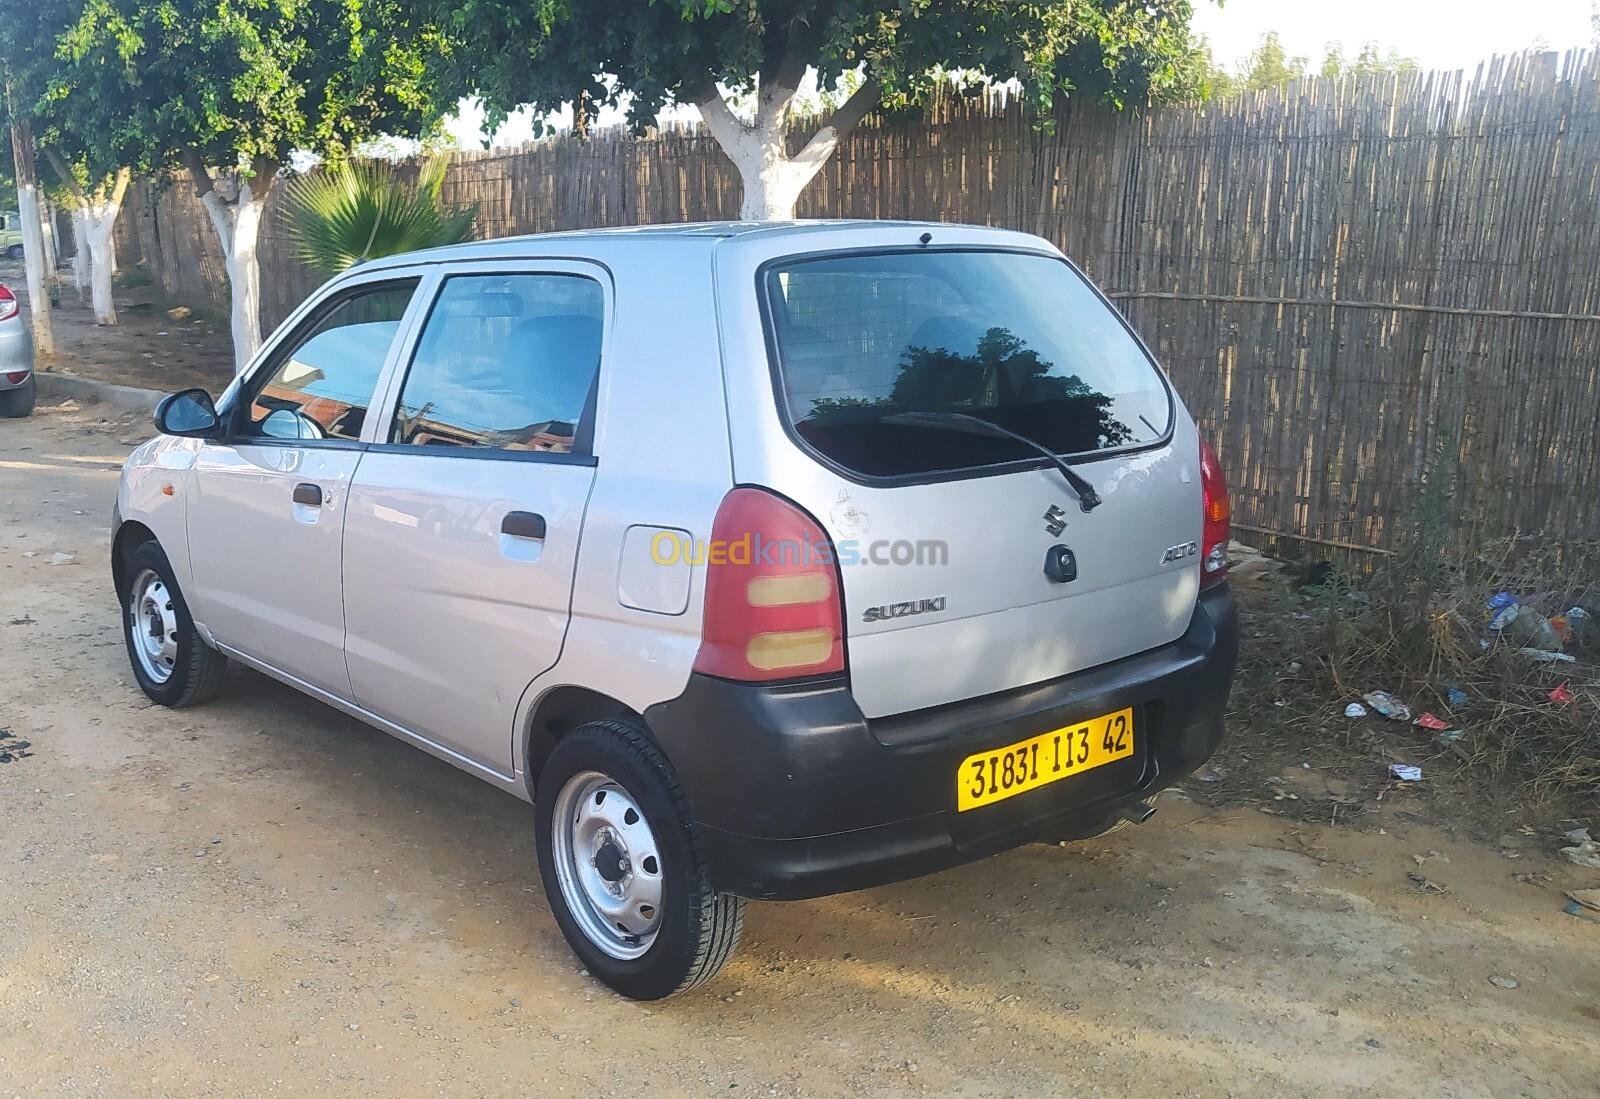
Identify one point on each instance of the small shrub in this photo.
(350, 212)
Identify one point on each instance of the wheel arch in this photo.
(559, 711)
(129, 533)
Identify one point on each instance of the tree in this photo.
(25, 168)
(95, 200)
(645, 55)
(1369, 61)
(90, 172)
(1270, 66)
(91, 187)
(27, 37)
(228, 90)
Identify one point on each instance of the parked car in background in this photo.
(17, 381)
(767, 561)
(11, 234)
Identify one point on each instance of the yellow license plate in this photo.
(1001, 773)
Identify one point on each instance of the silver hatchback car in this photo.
(18, 384)
(766, 561)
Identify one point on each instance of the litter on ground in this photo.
(1388, 705)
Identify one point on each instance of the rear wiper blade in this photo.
(1088, 498)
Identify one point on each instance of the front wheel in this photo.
(171, 661)
(622, 865)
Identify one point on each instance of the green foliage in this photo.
(1270, 65)
(30, 54)
(663, 52)
(351, 212)
(1369, 60)
(1124, 54)
(240, 81)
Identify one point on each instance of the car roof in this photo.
(708, 233)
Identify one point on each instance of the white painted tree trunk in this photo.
(102, 250)
(772, 184)
(25, 168)
(80, 251)
(102, 207)
(47, 223)
(44, 337)
(238, 227)
(772, 179)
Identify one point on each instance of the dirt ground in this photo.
(157, 344)
(262, 897)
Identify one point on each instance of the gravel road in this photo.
(262, 897)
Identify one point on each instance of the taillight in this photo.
(1214, 534)
(8, 303)
(17, 377)
(773, 607)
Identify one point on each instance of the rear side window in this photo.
(1019, 340)
(323, 383)
(504, 362)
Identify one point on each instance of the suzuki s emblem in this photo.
(1181, 552)
(1055, 521)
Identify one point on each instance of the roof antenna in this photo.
(925, 238)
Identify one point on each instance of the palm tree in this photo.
(353, 211)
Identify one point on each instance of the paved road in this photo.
(261, 897)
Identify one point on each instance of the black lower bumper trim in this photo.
(798, 795)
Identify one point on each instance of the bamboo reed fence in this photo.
(1356, 284)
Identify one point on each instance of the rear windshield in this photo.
(1018, 340)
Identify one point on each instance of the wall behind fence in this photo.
(1353, 283)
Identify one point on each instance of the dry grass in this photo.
(1416, 626)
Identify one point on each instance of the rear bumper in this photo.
(798, 795)
(16, 351)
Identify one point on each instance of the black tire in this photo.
(14, 252)
(699, 928)
(19, 402)
(197, 669)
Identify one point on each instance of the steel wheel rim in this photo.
(607, 864)
(152, 626)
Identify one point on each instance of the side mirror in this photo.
(189, 413)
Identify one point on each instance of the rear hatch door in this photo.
(943, 535)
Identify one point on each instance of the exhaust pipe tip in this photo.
(1138, 812)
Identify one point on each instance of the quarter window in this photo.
(323, 385)
(504, 362)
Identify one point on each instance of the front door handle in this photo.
(523, 524)
(308, 494)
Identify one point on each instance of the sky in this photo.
(1441, 34)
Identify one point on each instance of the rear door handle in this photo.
(523, 524)
(308, 494)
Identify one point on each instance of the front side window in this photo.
(504, 362)
(1019, 340)
(323, 384)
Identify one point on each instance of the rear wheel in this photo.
(173, 664)
(14, 252)
(20, 401)
(622, 865)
